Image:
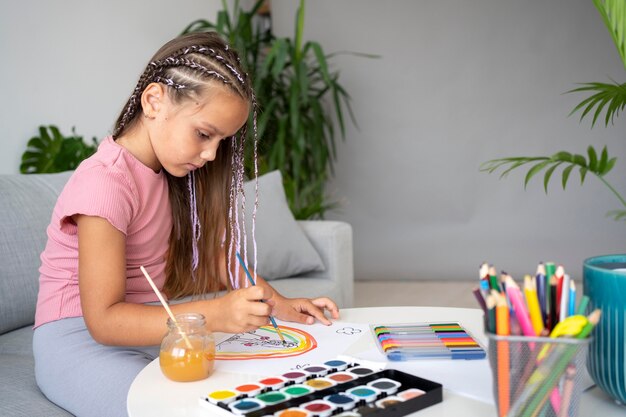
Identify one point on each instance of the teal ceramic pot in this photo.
(604, 281)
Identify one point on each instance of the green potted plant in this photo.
(52, 152)
(604, 280)
(298, 95)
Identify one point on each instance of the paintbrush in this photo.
(243, 265)
(167, 308)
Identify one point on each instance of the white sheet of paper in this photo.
(452, 374)
(332, 341)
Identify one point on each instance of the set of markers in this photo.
(444, 340)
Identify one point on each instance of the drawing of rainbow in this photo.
(264, 343)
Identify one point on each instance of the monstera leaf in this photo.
(52, 152)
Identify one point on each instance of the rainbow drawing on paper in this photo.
(264, 343)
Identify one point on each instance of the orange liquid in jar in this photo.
(184, 365)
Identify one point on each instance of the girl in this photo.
(160, 192)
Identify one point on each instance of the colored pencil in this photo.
(560, 275)
(550, 270)
(503, 358)
(519, 307)
(540, 278)
(493, 279)
(490, 301)
(481, 300)
(531, 363)
(572, 298)
(582, 307)
(483, 276)
(564, 301)
(530, 291)
(554, 366)
(568, 387)
(552, 316)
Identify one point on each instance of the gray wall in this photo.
(458, 83)
(75, 62)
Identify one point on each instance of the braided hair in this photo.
(207, 201)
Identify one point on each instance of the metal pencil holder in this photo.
(537, 376)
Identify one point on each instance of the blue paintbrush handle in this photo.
(252, 283)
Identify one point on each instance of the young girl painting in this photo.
(160, 192)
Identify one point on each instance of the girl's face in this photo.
(184, 136)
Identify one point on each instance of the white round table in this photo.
(153, 395)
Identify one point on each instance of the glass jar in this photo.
(188, 349)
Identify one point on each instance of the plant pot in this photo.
(604, 282)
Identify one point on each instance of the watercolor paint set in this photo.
(410, 341)
(334, 388)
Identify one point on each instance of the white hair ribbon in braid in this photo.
(175, 62)
(211, 52)
(239, 178)
(256, 185)
(196, 228)
(169, 82)
(233, 218)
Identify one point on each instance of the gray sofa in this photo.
(26, 203)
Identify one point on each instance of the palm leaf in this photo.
(565, 175)
(613, 95)
(599, 168)
(617, 214)
(613, 14)
(550, 163)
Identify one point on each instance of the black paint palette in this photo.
(335, 388)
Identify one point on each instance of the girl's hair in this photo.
(189, 66)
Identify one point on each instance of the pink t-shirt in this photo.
(111, 184)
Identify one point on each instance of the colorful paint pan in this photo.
(320, 408)
(341, 377)
(360, 371)
(273, 382)
(296, 390)
(246, 405)
(320, 383)
(296, 376)
(317, 370)
(388, 401)
(410, 393)
(343, 401)
(386, 385)
(272, 397)
(363, 392)
(293, 412)
(222, 396)
(249, 390)
(337, 364)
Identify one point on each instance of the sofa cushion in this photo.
(26, 206)
(19, 394)
(17, 342)
(283, 250)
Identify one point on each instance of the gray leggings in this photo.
(81, 375)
